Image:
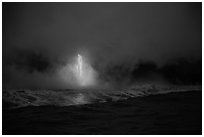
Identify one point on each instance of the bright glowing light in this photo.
(84, 73)
(79, 66)
(79, 72)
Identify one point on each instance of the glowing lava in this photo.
(79, 65)
(83, 72)
(79, 73)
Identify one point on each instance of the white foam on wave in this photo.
(25, 97)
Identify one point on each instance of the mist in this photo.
(125, 43)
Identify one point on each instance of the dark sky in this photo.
(38, 38)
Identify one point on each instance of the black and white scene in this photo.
(101, 68)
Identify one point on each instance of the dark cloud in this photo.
(41, 37)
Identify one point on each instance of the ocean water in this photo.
(148, 109)
(17, 98)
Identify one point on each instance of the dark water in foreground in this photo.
(172, 113)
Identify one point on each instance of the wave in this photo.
(22, 98)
